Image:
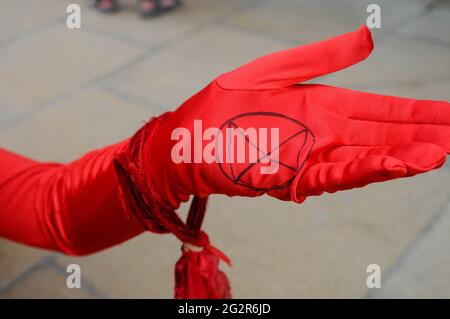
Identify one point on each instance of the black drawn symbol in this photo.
(295, 144)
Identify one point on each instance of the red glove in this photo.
(73, 208)
(251, 131)
(329, 138)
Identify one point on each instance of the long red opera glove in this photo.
(251, 131)
(73, 208)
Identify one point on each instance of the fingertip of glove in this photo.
(431, 157)
(297, 198)
(418, 157)
(297, 193)
(368, 40)
(394, 167)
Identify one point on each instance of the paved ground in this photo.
(64, 92)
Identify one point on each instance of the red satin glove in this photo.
(329, 139)
(74, 208)
(295, 141)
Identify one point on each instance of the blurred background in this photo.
(66, 91)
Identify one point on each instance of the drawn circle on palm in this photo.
(288, 154)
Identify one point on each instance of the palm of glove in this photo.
(255, 130)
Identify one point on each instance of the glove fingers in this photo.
(421, 155)
(418, 157)
(400, 110)
(378, 133)
(390, 109)
(370, 165)
(332, 177)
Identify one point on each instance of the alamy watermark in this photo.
(373, 20)
(374, 279)
(73, 20)
(74, 278)
(230, 144)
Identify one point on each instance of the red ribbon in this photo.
(197, 274)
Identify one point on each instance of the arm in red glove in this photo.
(73, 208)
(299, 140)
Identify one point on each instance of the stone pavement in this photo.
(64, 92)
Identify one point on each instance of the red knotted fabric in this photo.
(197, 273)
(102, 199)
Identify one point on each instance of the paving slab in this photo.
(431, 27)
(139, 268)
(397, 59)
(424, 271)
(45, 283)
(173, 75)
(320, 19)
(67, 130)
(15, 259)
(23, 17)
(43, 66)
(155, 31)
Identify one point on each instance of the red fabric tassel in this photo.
(197, 274)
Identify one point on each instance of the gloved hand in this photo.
(308, 138)
(255, 130)
(251, 131)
